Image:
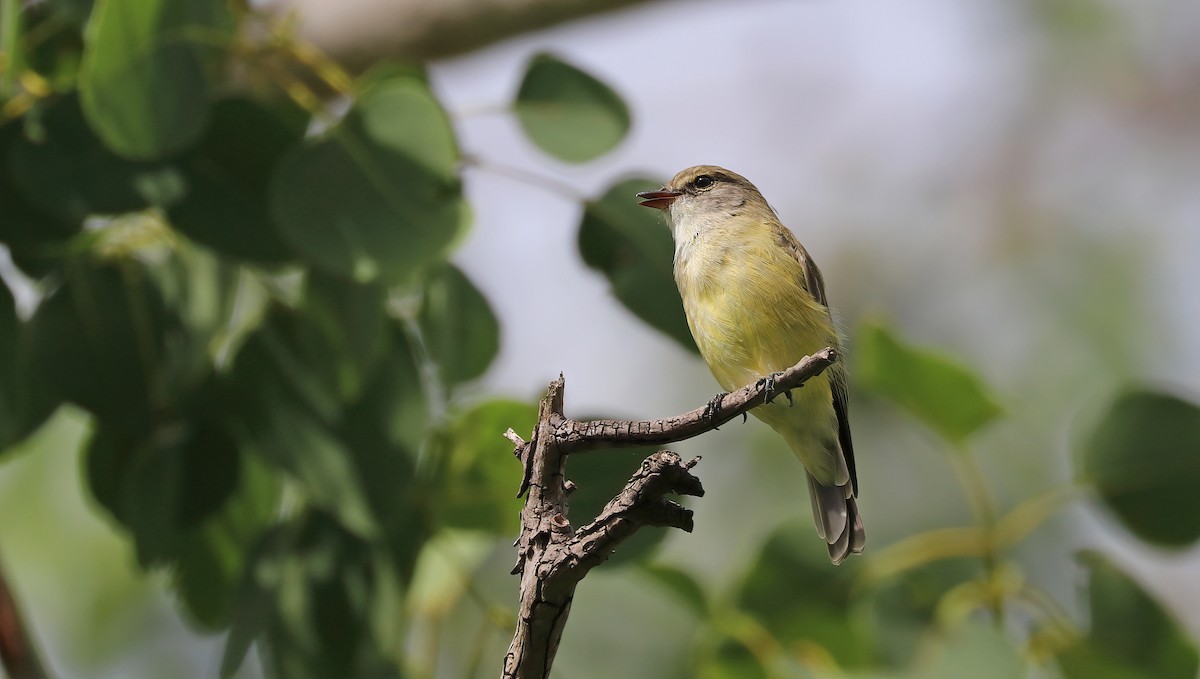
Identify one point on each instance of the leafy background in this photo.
(263, 319)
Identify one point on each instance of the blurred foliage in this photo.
(1142, 460)
(626, 242)
(248, 290)
(568, 113)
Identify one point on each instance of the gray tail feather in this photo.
(836, 516)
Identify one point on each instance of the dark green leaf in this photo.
(287, 414)
(817, 612)
(945, 395)
(1132, 636)
(377, 197)
(1144, 461)
(461, 332)
(212, 556)
(480, 475)
(68, 174)
(385, 429)
(32, 236)
(228, 175)
(392, 406)
(323, 594)
(568, 113)
(99, 341)
(632, 247)
(144, 78)
(344, 333)
(163, 485)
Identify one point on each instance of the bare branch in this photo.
(553, 558)
(577, 436)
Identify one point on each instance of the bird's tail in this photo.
(836, 515)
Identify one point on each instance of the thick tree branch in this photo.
(360, 32)
(553, 558)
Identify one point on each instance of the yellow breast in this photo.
(747, 306)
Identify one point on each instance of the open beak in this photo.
(660, 199)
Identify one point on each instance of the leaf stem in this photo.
(970, 476)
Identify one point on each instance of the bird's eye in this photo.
(703, 182)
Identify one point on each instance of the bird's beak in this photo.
(660, 199)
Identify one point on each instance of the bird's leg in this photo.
(768, 385)
(713, 409)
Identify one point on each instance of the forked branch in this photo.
(551, 556)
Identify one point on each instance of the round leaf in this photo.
(227, 177)
(568, 113)
(143, 78)
(376, 198)
(1144, 461)
(164, 485)
(461, 332)
(632, 247)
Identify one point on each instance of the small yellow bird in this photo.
(755, 303)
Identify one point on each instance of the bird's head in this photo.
(703, 195)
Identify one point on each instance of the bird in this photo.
(755, 304)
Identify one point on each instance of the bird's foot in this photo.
(768, 385)
(713, 409)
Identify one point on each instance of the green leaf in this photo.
(632, 247)
(391, 408)
(817, 613)
(1132, 636)
(343, 332)
(163, 485)
(378, 197)
(287, 415)
(568, 113)
(33, 237)
(945, 395)
(1142, 459)
(99, 342)
(227, 177)
(323, 594)
(144, 78)
(461, 332)
(67, 173)
(212, 556)
(479, 474)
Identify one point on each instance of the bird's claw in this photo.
(713, 409)
(768, 385)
